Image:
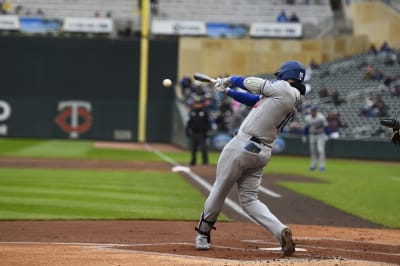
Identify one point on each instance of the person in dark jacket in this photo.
(197, 129)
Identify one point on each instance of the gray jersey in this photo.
(277, 106)
(316, 124)
(317, 139)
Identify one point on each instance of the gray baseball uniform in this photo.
(317, 137)
(243, 159)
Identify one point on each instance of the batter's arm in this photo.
(244, 97)
(251, 84)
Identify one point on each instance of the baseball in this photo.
(167, 83)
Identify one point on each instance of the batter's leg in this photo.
(248, 186)
(227, 173)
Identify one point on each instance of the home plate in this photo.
(280, 249)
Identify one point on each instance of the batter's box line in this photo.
(218, 247)
(345, 240)
(175, 255)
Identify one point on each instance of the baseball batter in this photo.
(317, 131)
(243, 159)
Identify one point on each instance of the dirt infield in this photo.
(324, 235)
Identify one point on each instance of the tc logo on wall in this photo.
(5, 113)
(75, 117)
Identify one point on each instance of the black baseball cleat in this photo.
(288, 245)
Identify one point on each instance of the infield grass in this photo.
(366, 189)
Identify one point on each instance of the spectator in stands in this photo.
(282, 17)
(334, 124)
(186, 84)
(336, 99)
(154, 7)
(390, 58)
(373, 74)
(294, 18)
(197, 90)
(366, 107)
(18, 10)
(385, 48)
(379, 108)
(126, 32)
(39, 12)
(395, 89)
(97, 14)
(109, 14)
(372, 50)
(374, 107)
(323, 92)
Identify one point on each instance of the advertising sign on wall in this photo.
(88, 25)
(282, 30)
(9, 22)
(172, 27)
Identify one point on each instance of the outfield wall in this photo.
(83, 88)
(342, 148)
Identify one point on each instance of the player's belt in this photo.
(252, 138)
(256, 140)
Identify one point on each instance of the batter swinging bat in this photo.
(203, 78)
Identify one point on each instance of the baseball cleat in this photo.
(202, 242)
(312, 168)
(288, 245)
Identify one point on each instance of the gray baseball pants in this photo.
(245, 168)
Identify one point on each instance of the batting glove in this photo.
(219, 85)
(227, 82)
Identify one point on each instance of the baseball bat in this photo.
(203, 78)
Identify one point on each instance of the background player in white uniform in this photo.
(317, 130)
(243, 159)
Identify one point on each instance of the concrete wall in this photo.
(377, 21)
(254, 56)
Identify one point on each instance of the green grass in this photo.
(84, 194)
(366, 189)
(363, 188)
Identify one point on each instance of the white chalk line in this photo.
(114, 247)
(200, 180)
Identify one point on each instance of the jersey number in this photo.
(289, 116)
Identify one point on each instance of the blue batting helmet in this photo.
(291, 70)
